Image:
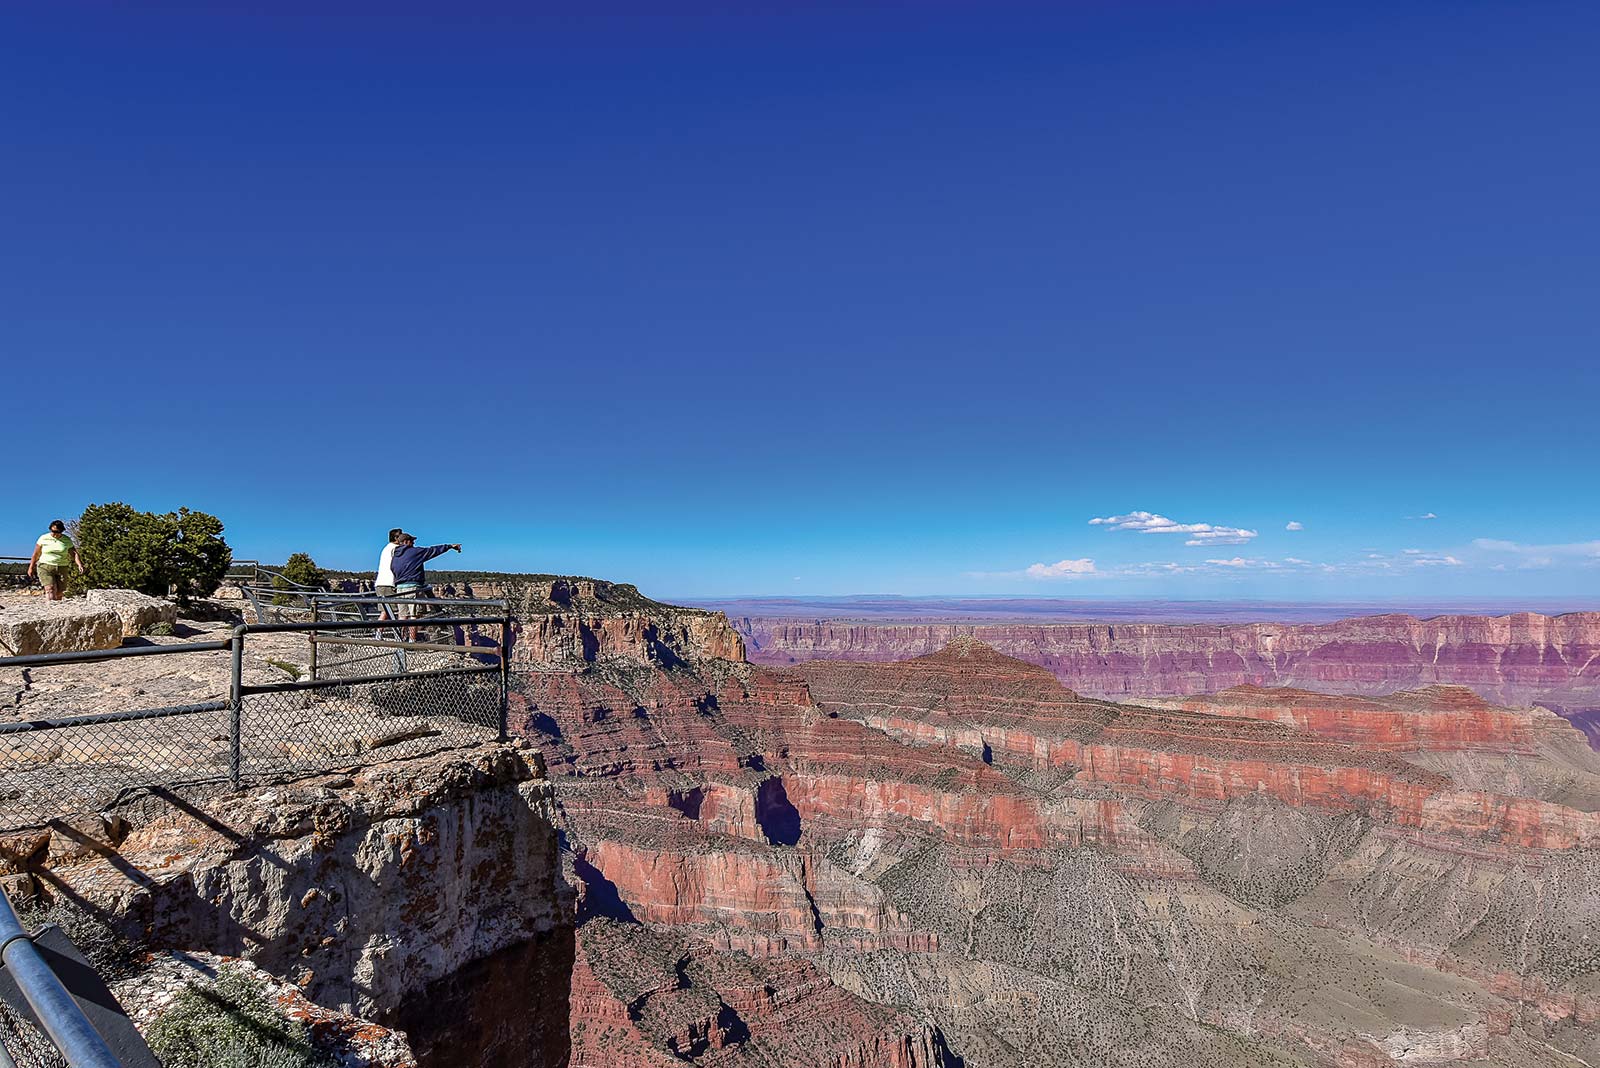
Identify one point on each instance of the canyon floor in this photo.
(949, 859)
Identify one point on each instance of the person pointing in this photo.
(410, 580)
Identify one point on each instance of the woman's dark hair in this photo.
(57, 526)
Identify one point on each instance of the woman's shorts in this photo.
(52, 575)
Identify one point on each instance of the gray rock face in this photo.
(138, 610)
(71, 626)
(365, 891)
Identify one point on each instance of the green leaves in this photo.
(124, 548)
(301, 570)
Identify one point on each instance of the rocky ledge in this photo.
(419, 894)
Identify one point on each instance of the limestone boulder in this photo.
(70, 626)
(138, 610)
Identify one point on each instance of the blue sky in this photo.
(897, 299)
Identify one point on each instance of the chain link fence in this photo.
(299, 729)
(368, 690)
(27, 1046)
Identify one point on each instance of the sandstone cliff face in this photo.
(1514, 660)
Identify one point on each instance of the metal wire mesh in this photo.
(302, 730)
(285, 604)
(428, 699)
(28, 1046)
(346, 653)
(49, 773)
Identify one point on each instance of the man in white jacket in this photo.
(383, 585)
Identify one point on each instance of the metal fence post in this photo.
(313, 639)
(505, 678)
(236, 707)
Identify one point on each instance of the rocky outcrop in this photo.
(575, 639)
(136, 610)
(651, 998)
(1516, 660)
(569, 622)
(424, 894)
(35, 625)
(349, 1040)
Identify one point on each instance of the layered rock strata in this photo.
(1036, 877)
(1513, 660)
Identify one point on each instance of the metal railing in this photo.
(53, 1007)
(241, 572)
(443, 686)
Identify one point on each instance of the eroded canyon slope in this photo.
(956, 860)
(1520, 659)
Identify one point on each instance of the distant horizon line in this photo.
(1046, 598)
(874, 610)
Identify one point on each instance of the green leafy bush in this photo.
(301, 570)
(124, 548)
(231, 1024)
(160, 630)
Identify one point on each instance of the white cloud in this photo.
(1153, 523)
(1296, 560)
(1061, 569)
(1424, 515)
(1436, 560)
(1528, 557)
(1294, 524)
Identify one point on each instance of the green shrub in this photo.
(160, 630)
(124, 548)
(231, 1024)
(301, 570)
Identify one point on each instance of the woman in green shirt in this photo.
(50, 559)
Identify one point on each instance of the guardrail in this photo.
(53, 1007)
(447, 686)
(241, 571)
